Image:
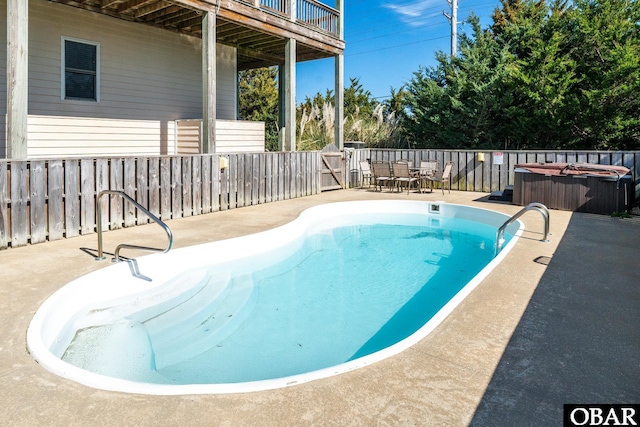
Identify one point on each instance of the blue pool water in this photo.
(342, 286)
(340, 294)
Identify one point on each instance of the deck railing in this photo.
(278, 6)
(308, 12)
(317, 15)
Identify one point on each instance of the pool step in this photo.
(187, 294)
(201, 322)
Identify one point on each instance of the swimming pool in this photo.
(110, 304)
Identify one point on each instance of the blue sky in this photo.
(386, 41)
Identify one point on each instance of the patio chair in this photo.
(402, 175)
(365, 173)
(382, 174)
(428, 168)
(443, 177)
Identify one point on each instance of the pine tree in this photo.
(545, 75)
(606, 35)
(258, 101)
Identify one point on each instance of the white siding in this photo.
(86, 136)
(232, 136)
(55, 136)
(148, 78)
(145, 73)
(188, 136)
(238, 136)
(226, 83)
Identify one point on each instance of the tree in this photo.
(366, 119)
(394, 109)
(606, 35)
(544, 75)
(258, 101)
(357, 100)
(461, 101)
(425, 105)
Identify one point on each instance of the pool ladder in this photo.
(157, 220)
(531, 206)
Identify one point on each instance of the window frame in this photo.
(63, 91)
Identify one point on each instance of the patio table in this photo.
(424, 173)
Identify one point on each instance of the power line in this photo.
(395, 46)
(415, 24)
(453, 35)
(426, 20)
(368, 21)
(363, 40)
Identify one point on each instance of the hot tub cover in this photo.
(564, 169)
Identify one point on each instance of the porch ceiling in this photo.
(259, 40)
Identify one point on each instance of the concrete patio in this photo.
(554, 323)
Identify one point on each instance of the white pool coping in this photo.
(50, 330)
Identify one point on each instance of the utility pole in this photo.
(453, 19)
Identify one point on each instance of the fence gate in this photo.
(332, 168)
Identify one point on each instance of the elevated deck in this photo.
(258, 29)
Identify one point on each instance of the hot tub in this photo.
(579, 187)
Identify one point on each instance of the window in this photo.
(80, 67)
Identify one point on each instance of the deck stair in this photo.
(505, 196)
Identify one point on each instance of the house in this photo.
(137, 77)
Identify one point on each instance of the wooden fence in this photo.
(470, 174)
(44, 200)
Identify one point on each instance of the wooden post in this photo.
(208, 83)
(17, 78)
(289, 102)
(339, 107)
(282, 106)
(339, 84)
(290, 95)
(293, 13)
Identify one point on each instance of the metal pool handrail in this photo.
(157, 220)
(531, 206)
